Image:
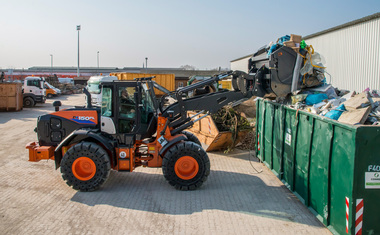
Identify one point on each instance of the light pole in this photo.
(98, 61)
(78, 29)
(146, 64)
(51, 63)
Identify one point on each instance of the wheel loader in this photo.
(132, 128)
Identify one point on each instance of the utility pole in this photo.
(51, 64)
(98, 62)
(78, 29)
(146, 64)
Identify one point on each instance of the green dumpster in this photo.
(333, 168)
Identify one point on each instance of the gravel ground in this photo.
(235, 199)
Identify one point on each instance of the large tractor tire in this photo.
(85, 166)
(186, 166)
(28, 102)
(191, 137)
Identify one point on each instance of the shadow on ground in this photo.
(226, 191)
(39, 109)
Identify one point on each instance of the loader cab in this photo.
(127, 110)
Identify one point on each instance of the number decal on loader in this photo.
(162, 141)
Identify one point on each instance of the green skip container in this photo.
(333, 168)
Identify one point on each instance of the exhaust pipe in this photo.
(89, 105)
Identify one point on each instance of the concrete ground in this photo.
(236, 199)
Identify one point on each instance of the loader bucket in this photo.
(211, 138)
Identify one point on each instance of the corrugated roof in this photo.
(247, 56)
(358, 21)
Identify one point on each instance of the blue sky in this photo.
(205, 34)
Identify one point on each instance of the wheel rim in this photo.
(84, 168)
(186, 167)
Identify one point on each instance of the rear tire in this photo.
(191, 137)
(85, 166)
(28, 102)
(49, 96)
(186, 166)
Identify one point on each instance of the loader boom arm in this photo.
(209, 103)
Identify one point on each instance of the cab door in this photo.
(127, 108)
(33, 86)
(120, 114)
(107, 114)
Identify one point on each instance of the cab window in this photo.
(93, 87)
(127, 109)
(107, 102)
(127, 102)
(33, 83)
(147, 110)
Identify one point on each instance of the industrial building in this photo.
(181, 75)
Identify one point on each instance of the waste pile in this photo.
(68, 88)
(341, 105)
(248, 142)
(228, 119)
(311, 92)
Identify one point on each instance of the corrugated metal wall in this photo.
(352, 55)
(241, 64)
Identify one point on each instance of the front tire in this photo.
(85, 166)
(29, 102)
(186, 166)
(49, 96)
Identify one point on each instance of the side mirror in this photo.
(57, 104)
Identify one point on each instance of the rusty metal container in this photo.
(11, 97)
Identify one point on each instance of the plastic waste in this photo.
(272, 49)
(335, 114)
(315, 98)
(331, 93)
(298, 98)
(315, 59)
(313, 70)
(303, 44)
(283, 39)
(375, 93)
(318, 105)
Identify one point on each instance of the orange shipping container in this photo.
(11, 97)
(165, 80)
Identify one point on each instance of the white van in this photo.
(93, 86)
